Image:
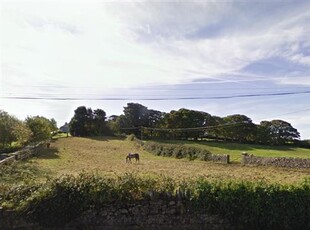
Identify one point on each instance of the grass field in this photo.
(74, 155)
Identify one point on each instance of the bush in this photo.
(177, 151)
(246, 205)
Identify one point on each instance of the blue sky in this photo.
(150, 50)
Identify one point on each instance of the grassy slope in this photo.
(107, 156)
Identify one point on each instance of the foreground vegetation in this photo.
(247, 205)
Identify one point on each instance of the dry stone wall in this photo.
(20, 155)
(248, 159)
(157, 214)
(221, 158)
(150, 215)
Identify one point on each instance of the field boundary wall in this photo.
(288, 162)
(25, 153)
(166, 214)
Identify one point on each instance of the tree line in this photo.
(15, 133)
(182, 124)
(137, 119)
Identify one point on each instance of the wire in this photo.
(153, 99)
(159, 88)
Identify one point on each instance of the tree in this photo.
(12, 130)
(154, 118)
(135, 116)
(21, 132)
(113, 125)
(40, 127)
(239, 127)
(87, 122)
(78, 123)
(99, 120)
(277, 132)
(215, 125)
(186, 119)
(6, 124)
(53, 125)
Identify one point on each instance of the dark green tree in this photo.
(186, 120)
(215, 126)
(54, 125)
(277, 132)
(239, 128)
(87, 122)
(100, 124)
(78, 123)
(135, 116)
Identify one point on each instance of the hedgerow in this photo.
(177, 151)
(246, 205)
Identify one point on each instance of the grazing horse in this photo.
(132, 155)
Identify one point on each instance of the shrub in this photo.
(177, 151)
(246, 205)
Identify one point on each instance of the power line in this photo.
(154, 99)
(159, 88)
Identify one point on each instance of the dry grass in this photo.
(107, 156)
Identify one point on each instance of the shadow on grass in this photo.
(47, 153)
(105, 138)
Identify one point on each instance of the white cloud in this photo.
(93, 47)
(127, 44)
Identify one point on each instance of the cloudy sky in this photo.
(221, 57)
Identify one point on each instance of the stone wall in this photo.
(143, 215)
(221, 158)
(247, 159)
(7, 160)
(20, 155)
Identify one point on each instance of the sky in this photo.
(221, 57)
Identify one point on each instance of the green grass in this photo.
(60, 135)
(235, 149)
